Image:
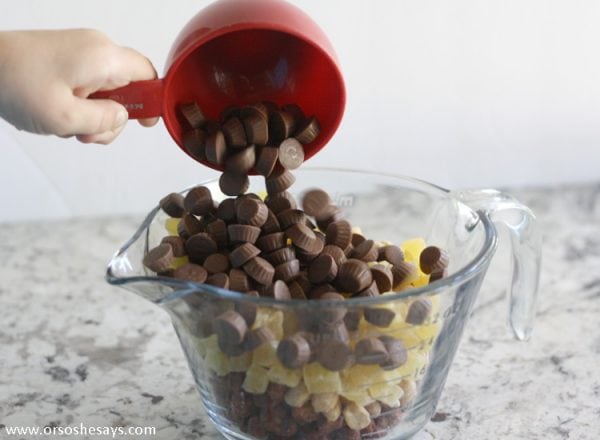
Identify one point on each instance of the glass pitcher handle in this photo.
(517, 219)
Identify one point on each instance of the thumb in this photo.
(95, 116)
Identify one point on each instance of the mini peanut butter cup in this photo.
(199, 246)
(279, 181)
(397, 354)
(304, 238)
(403, 271)
(358, 239)
(194, 142)
(288, 270)
(295, 111)
(257, 128)
(354, 276)
(177, 244)
(192, 114)
(242, 254)
(218, 280)
(257, 337)
(230, 328)
(332, 315)
(308, 131)
(338, 254)
(291, 154)
(266, 161)
(379, 316)
(334, 355)
(391, 253)
(433, 259)
(383, 277)
(235, 135)
(418, 311)
(260, 270)
(281, 126)
(160, 258)
(315, 201)
(271, 225)
(243, 233)
(296, 291)
(242, 161)
(280, 202)
(215, 148)
(258, 109)
(370, 351)
(217, 230)
(226, 210)
(172, 205)
(250, 211)
(290, 217)
(191, 272)
(434, 276)
(216, 263)
(371, 290)
(365, 251)
(271, 242)
(233, 184)
(294, 351)
(238, 280)
(339, 233)
(323, 269)
(280, 256)
(278, 290)
(198, 201)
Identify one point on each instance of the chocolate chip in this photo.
(278, 290)
(256, 338)
(216, 263)
(279, 181)
(339, 233)
(271, 242)
(260, 270)
(418, 311)
(322, 269)
(379, 317)
(294, 351)
(397, 354)
(241, 162)
(230, 328)
(191, 272)
(267, 159)
(308, 131)
(370, 351)
(271, 224)
(383, 277)
(234, 132)
(288, 270)
(198, 201)
(194, 142)
(280, 202)
(354, 276)
(243, 233)
(226, 210)
(192, 114)
(365, 251)
(291, 154)
(242, 254)
(233, 184)
(252, 212)
(433, 259)
(218, 280)
(199, 246)
(403, 271)
(334, 355)
(160, 258)
(280, 256)
(177, 244)
(172, 205)
(390, 253)
(238, 280)
(215, 148)
(338, 254)
(257, 128)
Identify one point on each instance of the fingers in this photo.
(102, 138)
(137, 66)
(93, 117)
(150, 122)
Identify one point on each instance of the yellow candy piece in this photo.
(262, 195)
(218, 362)
(361, 377)
(412, 250)
(266, 354)
(179, 261)
(410, 391)
(359, 396)
(334, 413)
(171, 225)
(256, 381)
(323, 402)
(284, 376)
(241, 363)
(297, 396)
(387, 393)
(272, 319)
(356, 416)
(320, 380)
(423, 280)
(205, 345)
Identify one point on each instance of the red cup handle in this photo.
(142, 99)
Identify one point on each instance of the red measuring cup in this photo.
(240, 52)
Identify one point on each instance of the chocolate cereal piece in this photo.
(267, 159)
(230, 328)
(323, 269)
(291, 154)
(418, 311)
(383, 277)
(192, 114)
(379, 317)
(198, 201)
(370, 351)
(235, 135)
(172, 205)
(390, 253)
(433, 259)
(191, 272)
(216, 263)
(308, 131)
(233, 184)
(315, 201)
(279, 181)
(252, 212)
(242, 161)
(160, 258)
(177, 244)
(365, 251)
(339, 233)
(260, 270)
(243, 233)
(242, 254)
(354, 276)
(215, 148)
(294, 351)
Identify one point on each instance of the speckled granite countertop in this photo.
(76, 350)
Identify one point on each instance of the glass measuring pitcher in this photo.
(251, 395)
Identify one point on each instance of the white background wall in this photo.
(466, 93)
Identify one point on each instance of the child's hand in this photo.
(45, 77)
